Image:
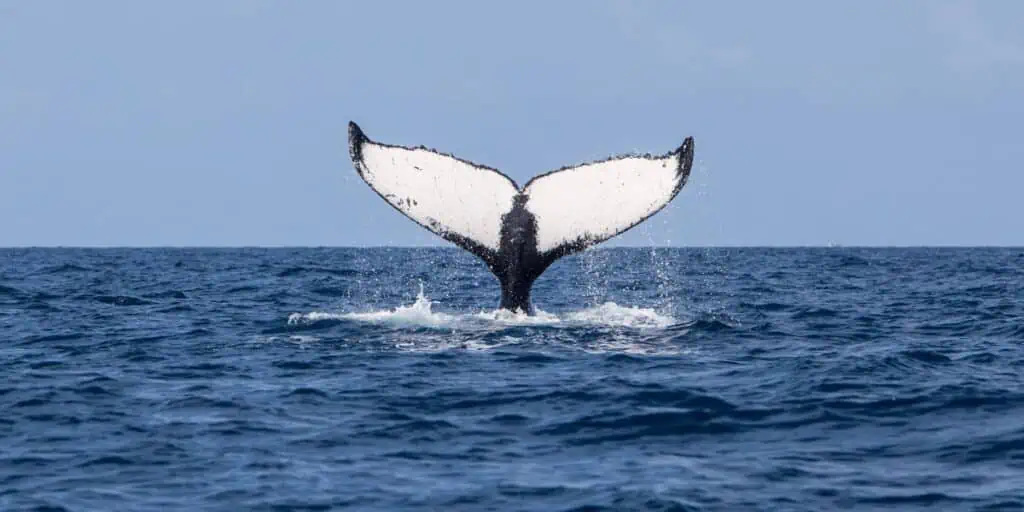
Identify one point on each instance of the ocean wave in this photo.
(733, 379)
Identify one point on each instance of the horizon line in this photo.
(452, 247)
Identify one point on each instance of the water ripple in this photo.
(690, 379)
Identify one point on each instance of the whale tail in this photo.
(519, 232)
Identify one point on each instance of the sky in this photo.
(198, 123)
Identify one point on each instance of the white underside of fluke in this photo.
(577, 206)
(595, 202)
(442, 193)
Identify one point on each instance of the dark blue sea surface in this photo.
(652, 379)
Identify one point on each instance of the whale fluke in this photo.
(519, 232)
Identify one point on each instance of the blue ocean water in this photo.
(383, 379)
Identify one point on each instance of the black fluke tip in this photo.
(686, 146)
(356, 138)
(355, 133)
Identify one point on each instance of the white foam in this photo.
(614, 315)
(506, 317)
(298, 339)
(421, 314)
(482, 330)
(417, 314)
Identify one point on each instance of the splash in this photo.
(421, 314)
(506, 317)
(613, 315)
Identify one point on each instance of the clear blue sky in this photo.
(224, 123)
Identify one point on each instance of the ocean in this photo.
(383, 379)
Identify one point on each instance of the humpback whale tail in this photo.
(519, 232)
